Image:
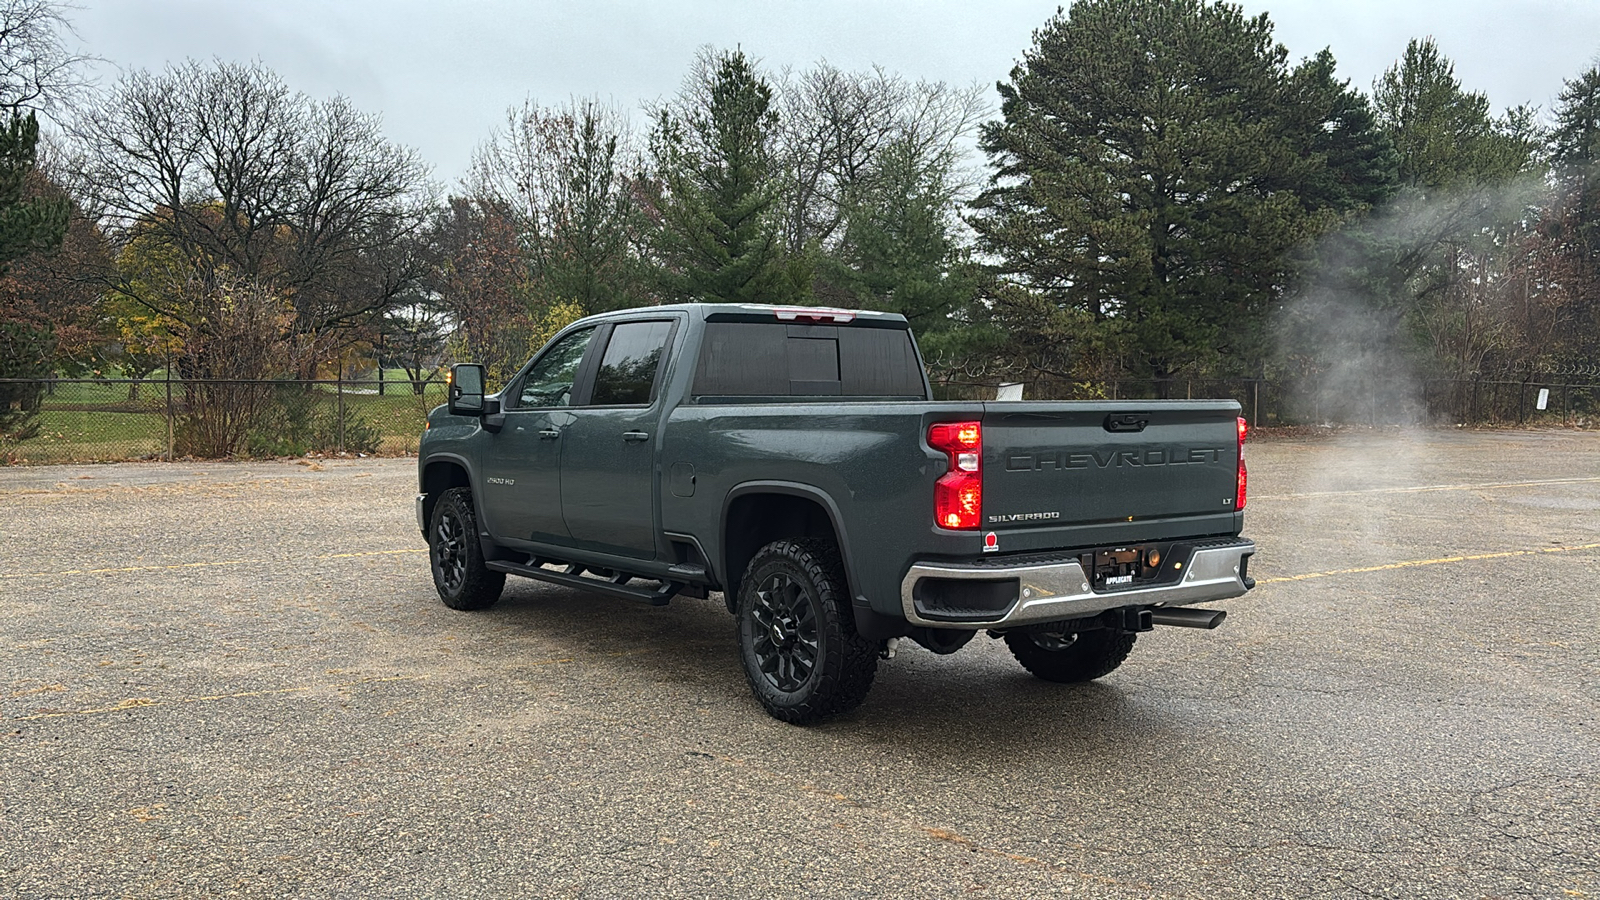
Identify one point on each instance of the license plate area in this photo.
(1132, 566)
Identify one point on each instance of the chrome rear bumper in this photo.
(1059, 589)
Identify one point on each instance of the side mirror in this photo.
(466, 390)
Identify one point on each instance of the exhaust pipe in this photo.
(1188, 618)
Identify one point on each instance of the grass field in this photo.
(89, 421)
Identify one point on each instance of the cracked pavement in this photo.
(233, 679)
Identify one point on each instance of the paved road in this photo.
(234, 680)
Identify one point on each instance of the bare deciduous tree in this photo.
(37, 70)
(836, 128)
(564, 176)
(224, 165)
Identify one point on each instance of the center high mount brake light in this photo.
(958, 494)
(795, 313)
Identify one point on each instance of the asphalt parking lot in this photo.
(235, 680)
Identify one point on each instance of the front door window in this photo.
(549, 382)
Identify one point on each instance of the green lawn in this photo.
(95, 421)
(89, 436)
(398, 414)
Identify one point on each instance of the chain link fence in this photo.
(1268, 403)
(90, 420)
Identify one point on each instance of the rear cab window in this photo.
(788, 359)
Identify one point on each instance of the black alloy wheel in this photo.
(786, 642)
(797, 633)
(450, 549)
(459, 572)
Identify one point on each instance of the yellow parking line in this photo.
(202, 565)
(141, 702)
(1423, 489)
(1414, 563)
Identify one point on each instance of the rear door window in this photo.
(632, 361)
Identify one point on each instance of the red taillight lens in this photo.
(956, 436)
(958, 494)
(1244, 477)
(958, 501)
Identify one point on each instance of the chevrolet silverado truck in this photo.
(794, 460)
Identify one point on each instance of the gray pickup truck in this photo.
(793, 459)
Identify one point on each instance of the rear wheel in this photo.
(797, 634)
(459, 573)
(1068, 657)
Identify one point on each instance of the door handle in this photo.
(549, 435)
(634, 437)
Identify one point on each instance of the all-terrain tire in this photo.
(1067, 658)
(797, 633)
(459, 573)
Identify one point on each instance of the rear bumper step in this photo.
(996, 595)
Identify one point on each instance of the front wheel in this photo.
(1068, 657)
(459, 573)
(797, 634)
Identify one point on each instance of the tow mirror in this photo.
(466, 390)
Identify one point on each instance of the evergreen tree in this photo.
(1157, 162)
(1573, 226)
(25, 225)
(26, 345)
(1449, 236)
(1447, 136)
(1576, 139)
(899, 251)
(718, 206)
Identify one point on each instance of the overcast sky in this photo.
(443, 73)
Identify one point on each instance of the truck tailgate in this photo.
(1067, 465)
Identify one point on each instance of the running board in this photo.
(615, 585)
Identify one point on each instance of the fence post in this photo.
(169, 403)
(1255, 405)
(340, 391)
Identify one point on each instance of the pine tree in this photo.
(25, 225)
(1450, 232)
(1574, 229)
(1446, 136)
(1157, 162)
(713, 149)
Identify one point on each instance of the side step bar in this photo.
(615, 585)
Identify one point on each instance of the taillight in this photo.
(1244, 476)
(958, 494)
